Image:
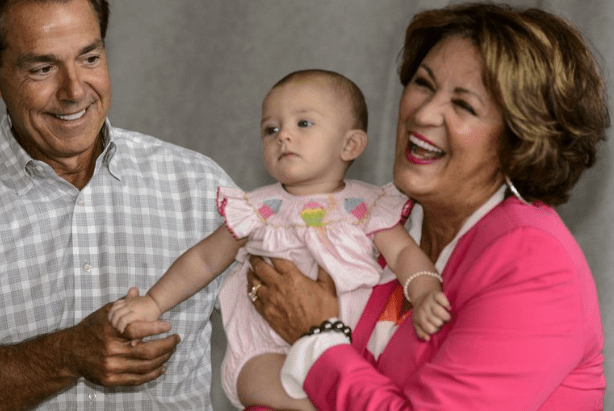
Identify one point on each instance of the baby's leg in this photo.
(259, 384)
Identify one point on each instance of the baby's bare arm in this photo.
(406, 259)
(401, 253)
(195, 268)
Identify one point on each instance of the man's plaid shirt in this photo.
(64, 253)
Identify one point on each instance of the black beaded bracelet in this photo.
(337, 326)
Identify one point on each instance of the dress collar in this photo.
(417, 215)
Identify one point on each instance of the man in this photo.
(89, 210)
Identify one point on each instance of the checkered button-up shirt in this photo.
(64, 253)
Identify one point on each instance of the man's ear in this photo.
(355, 143)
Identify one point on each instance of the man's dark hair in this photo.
(101, 7)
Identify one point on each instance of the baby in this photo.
(313, 126)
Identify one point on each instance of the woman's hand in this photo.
(290, 301)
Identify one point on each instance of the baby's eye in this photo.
(304, 123)
(270, 130)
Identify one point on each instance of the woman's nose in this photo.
(430, 112)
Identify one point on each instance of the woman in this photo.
(492, 95)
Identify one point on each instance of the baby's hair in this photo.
(344, 86)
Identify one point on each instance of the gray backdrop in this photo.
(194, 73)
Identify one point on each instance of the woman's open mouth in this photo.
(421, 151)
(420, 148)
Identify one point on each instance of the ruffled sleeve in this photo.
(240, 216)
(387, 210)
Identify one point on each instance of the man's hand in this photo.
(290, 301)
(38, 368)
(100, 354)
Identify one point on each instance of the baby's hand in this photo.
(430, 312)
(133, 308)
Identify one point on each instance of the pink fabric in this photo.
(526, 331)
(328, 230)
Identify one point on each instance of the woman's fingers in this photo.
(326, 281)
(263, 272)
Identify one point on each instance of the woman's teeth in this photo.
(71, 117)
(422, 149)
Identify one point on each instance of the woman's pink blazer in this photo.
(526, 331)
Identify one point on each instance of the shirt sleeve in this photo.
(240, 216)
(387, 210)
(303, 354)
(516, 335)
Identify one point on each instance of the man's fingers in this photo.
(137, 374)
(139, 379)
(142, 329)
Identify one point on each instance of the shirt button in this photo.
(87, 267)
(92, 397)
(80, 202)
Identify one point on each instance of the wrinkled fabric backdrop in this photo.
(194, 73)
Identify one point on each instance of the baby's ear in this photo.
(355, 143)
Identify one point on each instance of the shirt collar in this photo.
(418, 214)
(110, 150)
(20, 166)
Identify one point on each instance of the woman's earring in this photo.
(514, 190)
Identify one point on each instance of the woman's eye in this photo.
(465, 106)
(304, 123)
(423, 82)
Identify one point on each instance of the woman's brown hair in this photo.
(544, 78)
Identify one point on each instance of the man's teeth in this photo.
(425, 146)
(71, 117)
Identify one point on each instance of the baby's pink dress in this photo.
(334, 231)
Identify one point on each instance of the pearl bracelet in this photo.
(416, 275)
(338, 326)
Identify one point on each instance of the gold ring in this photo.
(253, 293)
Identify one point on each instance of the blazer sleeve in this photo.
(516, 335)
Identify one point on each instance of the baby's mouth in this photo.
(423, 150)
(287, 154)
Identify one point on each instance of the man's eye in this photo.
(304, 123)
(92, 59)
(41, 71)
